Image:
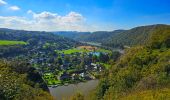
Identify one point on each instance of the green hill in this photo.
(118, 38)
(142, 73)
(35, 40)
(35, 37)
(98, 36)
(136, 36)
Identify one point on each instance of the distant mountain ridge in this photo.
(135, 36)
(97, 36)
(71, 34)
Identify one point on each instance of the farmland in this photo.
(7, 42)
(82, 49)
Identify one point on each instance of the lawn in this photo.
(50, 79)
(73, 50)
(78, 50)
(103, 50)
(107, 66)
(7, 42)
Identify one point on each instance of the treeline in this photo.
(19, 81)
(99, 36)
(118, 38)
(34, 37)
(136, 36)
(36, 40)
(143, 72)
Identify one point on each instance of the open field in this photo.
(90, 48)
(86, 49)
(107, 66)
(50, 79)
(7, 42)
(73, 50)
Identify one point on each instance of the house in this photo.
(75, 76)
(94, 66)
(82, 74)
(64, 76)
(64, 66)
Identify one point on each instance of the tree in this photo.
(60, 61)
(77, 96)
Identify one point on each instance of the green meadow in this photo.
(77, 50)
(103, 50)
(7, 42)
(73, 50)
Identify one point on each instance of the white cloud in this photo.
(14, 8)
(2, 2)
(45, 15)
(71, 17)
(47, 21)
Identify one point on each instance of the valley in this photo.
(84, 49)
(74, 65)
(53, 63)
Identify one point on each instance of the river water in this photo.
(64, 92)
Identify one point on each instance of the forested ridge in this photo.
(118, 38)
(35, 40)
(143, 72)
(33, 36)
(135, 36)
(98, 36)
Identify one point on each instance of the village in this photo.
(75, 65)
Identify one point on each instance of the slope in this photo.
(98, 36)
(135, 36)
(142, 70)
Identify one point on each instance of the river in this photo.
(64, 92)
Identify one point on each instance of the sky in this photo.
(82, 15)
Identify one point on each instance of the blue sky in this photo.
(82, 15)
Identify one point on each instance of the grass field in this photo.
(107, 66)
(7, 42)
(80, 50)
(73, 50)
(50, 79)
(103, 50)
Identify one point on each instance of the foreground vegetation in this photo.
(18, 81)
(154, 94)
(143, 73)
